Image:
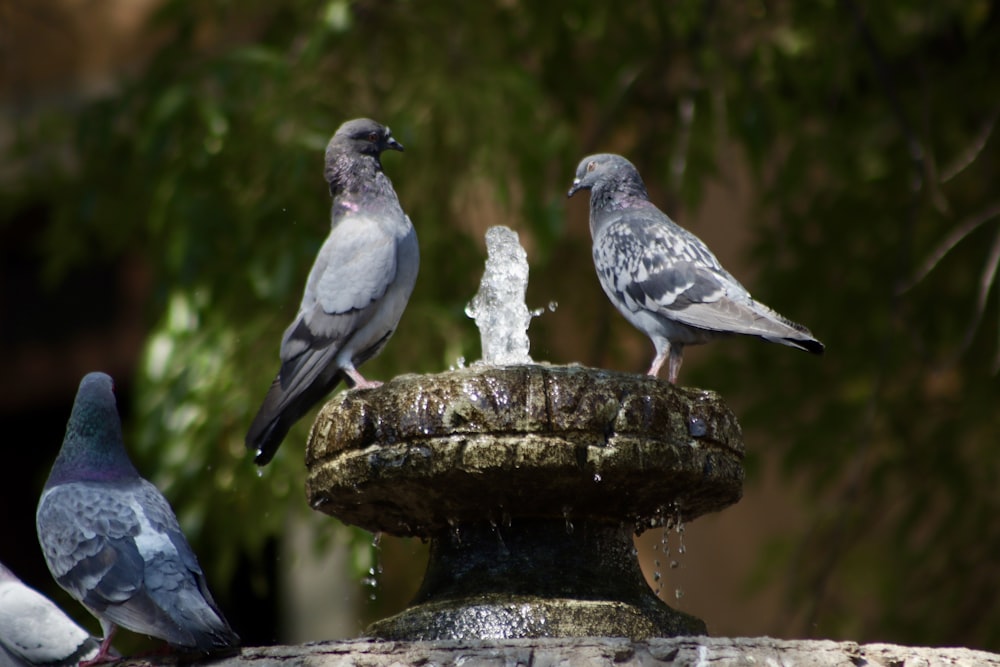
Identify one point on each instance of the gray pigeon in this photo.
(34, 631)
(112, 542)
(663, 278)
(357, 289)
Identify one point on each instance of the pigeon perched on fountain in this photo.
(663, 278)
(34, 631)
(112, 541)
(357, 289)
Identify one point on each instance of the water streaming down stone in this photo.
(528, 480)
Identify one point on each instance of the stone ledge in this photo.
(424, 453)
(599, 651)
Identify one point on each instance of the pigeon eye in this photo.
(373, 137)
(591, 166)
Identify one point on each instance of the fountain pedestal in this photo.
(529, 481)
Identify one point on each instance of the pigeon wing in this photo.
(87, 536)
(353, 270)
(660, 267)
(10, 658)
(34, 630)
(174, 582)
(116, 552)
(646, 267)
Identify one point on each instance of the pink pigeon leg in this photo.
(673, 351)
(104, 652)
(661, 356)
(674, 367)
(359, 381)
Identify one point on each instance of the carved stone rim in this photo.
(421, 453)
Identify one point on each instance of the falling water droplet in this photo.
(260, 472)
(697, 427)
(597, 477)
(679, 529)
(566, 510)
(679, 593)
(496, 531)
(456, 531)
(657, 577)
(371, 581)
(553, 305)
(377, 539)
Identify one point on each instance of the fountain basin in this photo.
(529, 481)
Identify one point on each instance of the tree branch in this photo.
(949, 242)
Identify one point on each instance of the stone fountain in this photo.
(528, 480)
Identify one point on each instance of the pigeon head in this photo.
(607, 171)
(363, 136)
(93, 448)
(353, 154)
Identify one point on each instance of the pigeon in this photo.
(356, 291)
(112, 541)
(664, 279)
(34, 631)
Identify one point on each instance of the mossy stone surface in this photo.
(422, 453)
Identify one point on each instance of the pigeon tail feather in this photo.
(278, 413)
(805, 344)
(265, 437)
(269, 428)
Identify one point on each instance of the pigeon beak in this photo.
(393, 144)
(576, 188)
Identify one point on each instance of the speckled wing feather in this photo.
(647, 266)
(647, 262)
(118, 549)
(88, 538)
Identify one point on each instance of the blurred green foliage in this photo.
(868, 129)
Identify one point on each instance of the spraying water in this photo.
(498, 307)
